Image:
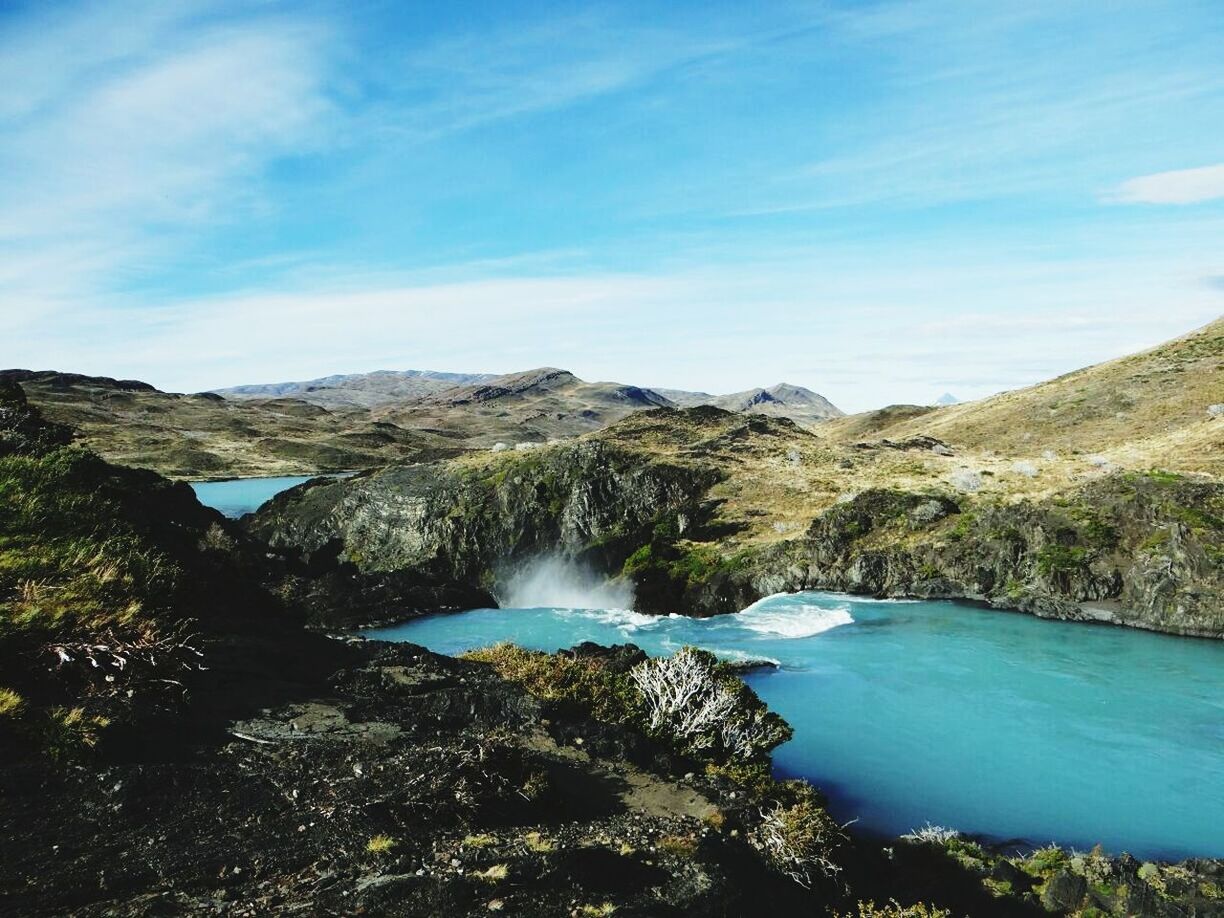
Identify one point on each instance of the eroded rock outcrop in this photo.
(464, 526)
(1141, 549)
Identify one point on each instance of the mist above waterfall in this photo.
(553, 582)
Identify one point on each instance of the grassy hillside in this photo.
(1148, 409)
(206, 436)
(115, 586)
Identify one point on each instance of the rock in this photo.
(434, 528)
(1005, 871)
(1215, 411)
(966, 480)
(1064, 891)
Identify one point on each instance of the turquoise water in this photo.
(989, 722)
(243, 495)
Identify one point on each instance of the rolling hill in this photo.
(358, 389)
(1148, 409)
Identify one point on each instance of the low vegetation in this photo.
(102, 612)
(84, 592)
(690, 701)
(799, 841)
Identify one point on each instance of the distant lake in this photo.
(240, 496)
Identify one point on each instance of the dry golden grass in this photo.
(1143, 410)
(1140, 412)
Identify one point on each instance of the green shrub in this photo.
(1047, 860)
(1056, 560)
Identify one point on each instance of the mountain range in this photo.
(1148, 409)
(404, 387)
(359, 420)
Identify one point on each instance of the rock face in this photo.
(466, 525)
(1141, 549)
(1132, 549)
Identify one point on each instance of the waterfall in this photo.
(552, 581)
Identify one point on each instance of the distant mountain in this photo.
(783, 400)
(364, 419)
(395, 392)
(947, 399)
(532, 405)
(363, 390)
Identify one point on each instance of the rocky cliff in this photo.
(1141, 549)
(471, 523)
(1137, 549)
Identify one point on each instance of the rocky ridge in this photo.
(1135, 548)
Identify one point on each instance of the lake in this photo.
(239, 496)
(989, 722)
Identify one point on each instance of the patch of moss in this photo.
(1054, 560)
(962, 526)
(585, 681)
(1045, 861)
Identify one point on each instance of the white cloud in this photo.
(845, 323)
(136, 131)
(1180, 186)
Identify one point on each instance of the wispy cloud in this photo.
(846, 323)
(464, 81)
(157, 124)
(981, 104)
(1180, 186)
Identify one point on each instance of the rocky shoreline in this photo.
(408, 783)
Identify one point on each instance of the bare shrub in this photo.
(749, 735)
(894, 909)
(966, 480)
(686, 697)
(112, 663)
(931, 834)
(798, 841)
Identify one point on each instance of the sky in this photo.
(880, 201)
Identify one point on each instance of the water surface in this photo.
(239, 496)
(990, 722)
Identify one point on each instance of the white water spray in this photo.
(553, 582)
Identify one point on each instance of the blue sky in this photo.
(880, 201)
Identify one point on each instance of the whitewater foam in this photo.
(796, 619)
(552, 582)
(800, 622)
(622, 619)
(855, 598)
